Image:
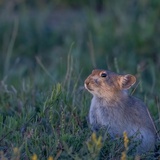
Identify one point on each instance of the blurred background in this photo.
(42, 40)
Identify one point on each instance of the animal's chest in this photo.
(101, 115)
(111, 118)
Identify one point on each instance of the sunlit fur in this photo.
(113, 108)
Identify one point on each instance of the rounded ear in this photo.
(127, 81)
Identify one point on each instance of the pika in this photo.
(117, 111)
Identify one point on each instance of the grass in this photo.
(46, 54)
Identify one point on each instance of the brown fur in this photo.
(113, 108)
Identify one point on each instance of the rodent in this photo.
(113, 108)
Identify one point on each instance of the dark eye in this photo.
(103, 74)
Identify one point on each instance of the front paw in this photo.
(95, 127)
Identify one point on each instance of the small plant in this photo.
(94, 145)
(34, 157)
(126, 141)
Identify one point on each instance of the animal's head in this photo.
(103, 83)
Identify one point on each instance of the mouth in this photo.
(87, 87)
